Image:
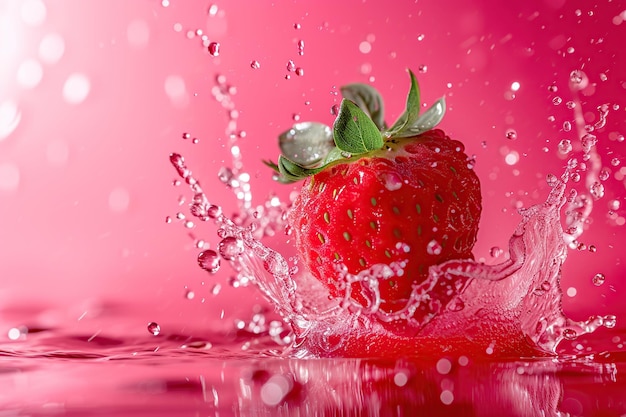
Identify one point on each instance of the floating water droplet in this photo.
(255, 64)
(553, 88)
(299, 72)
(434, 247)
(570, 105)
(154, 328)
(214, 49)
(511, 134)
(421, 37)
(300, 47)
(597, 190)
(423, 69)
(275, 264)
(610, 321)
(209, 260)
(552, 180)
(578, 79)
(598, 279)
(557, 100)
(189, 294)
(588, 141)
(496, 251)
(230, 248)
(567, 126)
(565, 146)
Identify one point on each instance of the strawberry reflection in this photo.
(442, 388)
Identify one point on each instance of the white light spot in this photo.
(446, 397)
(365, 47)
(33, 12)
(444, 366)
(176, 90)
(515, 86)
(400, 378)
(76, 88)
(51, 48)
(10, 117)
(9, 176)
(29, 73)
(274, 390)
(138, 33)
(571, 292)
(57, 153)
(14, 333)
(119, 199)
(511, 158)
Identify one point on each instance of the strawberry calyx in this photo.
(358, 131)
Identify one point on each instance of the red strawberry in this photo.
(404, 194)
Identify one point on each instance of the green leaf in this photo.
(427, 121)
(355, 133)
(368, 99)
(412, 111)
(306, 143)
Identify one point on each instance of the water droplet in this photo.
(557, 100)
(610, 321)
(565, 146)
(570, 334)
(496, 251)
(421, 37)
(209, 260)
(511, 134)
(275, 264)
(214, 49)
(567, 126)
(553, 88)
(423, 69)
(597, 190)
(552, 180)
(299, 72)
(578, 79)
(291, 66)
(255, 64)
(391, 180)
(570, 105)
(154, 328)
(189, 294)
(434, 247)
(230, 248)
(598, 279)
(300, 47)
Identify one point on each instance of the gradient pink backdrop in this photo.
(86, 185)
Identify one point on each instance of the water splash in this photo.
(511, 308)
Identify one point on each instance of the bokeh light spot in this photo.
(51, 48)
(138, 33)
(9, 176)
(10, 117)
(76, 88)
(119, 199)
(33, 12)
(29, 73)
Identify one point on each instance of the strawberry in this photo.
(404, 195)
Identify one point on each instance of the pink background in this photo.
(94, 96)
